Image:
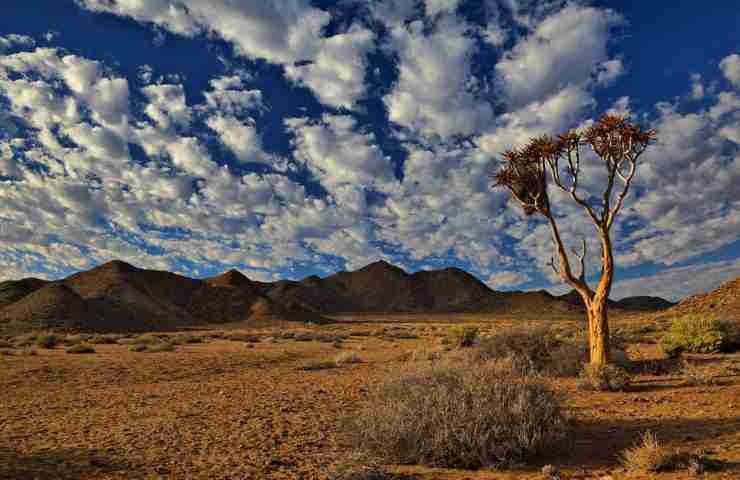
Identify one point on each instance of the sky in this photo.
(298, 137)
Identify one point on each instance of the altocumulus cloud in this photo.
(331, 137)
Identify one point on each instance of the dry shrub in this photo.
(603, 378)
(347, 358)
(242, 337)
(462, 336)
(535, 351)
(317, 365)
(137, 348)
(186, 339)
(140, 340)
(453, 416)
(111, 339)
(693, 375)
(160, 347)
(6, 344)
(81, 348)
(649, 455)
(699, 334)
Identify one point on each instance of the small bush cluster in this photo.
(242, 337)
(462, 336)
(650, 456)
(697, 334)
(47, 340)
(535, 351)
(318, 365)
(453, 416)
(603, 378)
(693, 375)
(81, 348)
(347, 358)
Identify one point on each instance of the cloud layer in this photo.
(96, 165)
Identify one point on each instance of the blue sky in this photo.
(300, 137)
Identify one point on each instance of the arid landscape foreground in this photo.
(267, 402)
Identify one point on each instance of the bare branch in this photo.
(582, 260)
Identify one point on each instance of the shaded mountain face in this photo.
(13, 290)
(117, 296)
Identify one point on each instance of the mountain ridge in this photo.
(119, 296)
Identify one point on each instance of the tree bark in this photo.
(598, 329)
(596, 308)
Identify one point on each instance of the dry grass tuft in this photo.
(453, 416)
(650, 456)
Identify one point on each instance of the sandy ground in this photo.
(223, 410)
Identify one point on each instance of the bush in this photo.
(347, 357)
(453, 416)
(104, 339)
(137, 348)
(534, 351)
(317, 365)
(242, 337)
(160, 347)
(603, 378)
(697, 334)
(462, 336)
(47, 341)
(81, 348)
(140, 340)
(693, 375)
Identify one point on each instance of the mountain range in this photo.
(117, 296)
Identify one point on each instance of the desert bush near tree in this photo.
(47, 340)
(527, 174)
(699, 334)
(603, 378)
(534, 351)
(453, 416)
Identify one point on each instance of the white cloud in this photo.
(697, 87)
(609, 71)
(563, 51)
(14, 40)
(240, 137)
(730, 66)
(167, 106)
(338, 154)
(679, 282)
(506, 279)
(337, 71)
(435, 93)
(282, 32)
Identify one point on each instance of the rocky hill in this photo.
(119, 296)
(723, 302)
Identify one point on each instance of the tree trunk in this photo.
(598, 322)
(598, 329)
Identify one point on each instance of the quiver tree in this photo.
(528, 172)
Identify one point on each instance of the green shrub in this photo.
(454, 416)
(698, 334)
(603, 378)
(104, 339)
(81, 348)
(462, 336)
(47, 340)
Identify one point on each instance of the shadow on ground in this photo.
(598, 443)
(66, 464)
